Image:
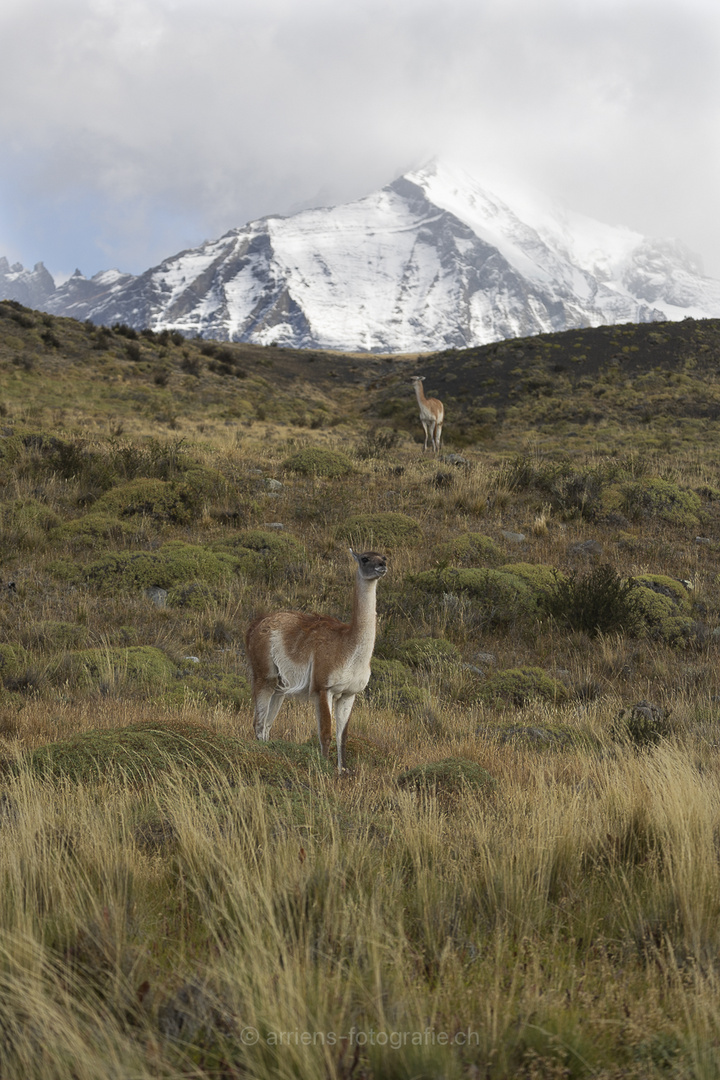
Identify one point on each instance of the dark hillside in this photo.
(577, 379)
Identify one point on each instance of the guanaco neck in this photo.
(422, 400)
(363, 621)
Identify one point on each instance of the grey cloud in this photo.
(207, 113)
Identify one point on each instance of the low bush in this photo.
(644, 725)
(393, 686)
(209, 685)
(597, 602)
(41, 454)
(502, 597)
(143, 666)
(380, 531)
(665, 607)
(14, 659)
(517, 686)
(318, 461)
(571, 492)
(29, 515)
(451, 776)
(154, 459)
(470, 549)
(652, 497)
(540, 578)
(428, 652)
(173, 564)
(668, 587)
(26, 524)
(53, 636)
(176, 502)
(264, 553)
(377, 444)
(140, 752)
(87, 531)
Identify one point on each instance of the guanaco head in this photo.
(416, 379)
(370, 564)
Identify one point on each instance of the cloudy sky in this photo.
(130, 129)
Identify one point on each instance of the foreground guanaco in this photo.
(432, 414)
(316, 657)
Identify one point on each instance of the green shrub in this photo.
(28, 517)
(517, 686)
(380, 531)
(193, 594)
(643, 725)
(317, 461)
(264, 552)
(653, 607)
(541, 737)
(88, 530)
(389, 672)
(41, 454)
(539, 577)
(571, 492)
(598, 602)
(174, 563)
(377, 444)
(393, 686)
(653, 497)
(142, 665)
(54, 636)
(577, 494)
(428, 652)
(483, 415)
(665, 607)
(140, 752)
(680, 631)
(13, 661)
(210, 685)
(668, 587)
(502, 598)
(470, 549)
(177, 501)
(153, 458)
(451, 776)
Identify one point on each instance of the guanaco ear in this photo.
(355, 557)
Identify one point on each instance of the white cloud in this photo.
(197, 115)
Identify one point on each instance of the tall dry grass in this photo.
(564, 922)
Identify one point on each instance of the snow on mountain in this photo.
(29, 287)
(434, 260)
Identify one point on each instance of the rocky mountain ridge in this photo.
(432, 261)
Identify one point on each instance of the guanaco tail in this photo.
(316, 657)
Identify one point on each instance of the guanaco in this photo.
(432, 414)
(317, 657)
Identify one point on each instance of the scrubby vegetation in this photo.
(520, 877)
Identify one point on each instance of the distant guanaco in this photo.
(316, 657)
(432, 414)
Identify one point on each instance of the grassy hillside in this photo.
(520, 877)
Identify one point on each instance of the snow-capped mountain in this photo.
(432, 261)
(30, 287)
